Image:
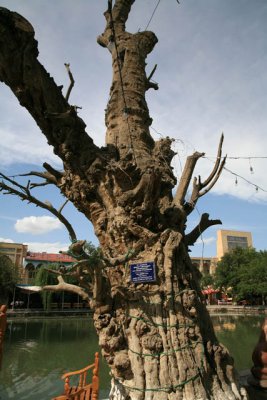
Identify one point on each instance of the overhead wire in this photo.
(257, 187)
(153, 13)
(238, 158)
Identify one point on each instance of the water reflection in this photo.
(38, 352)
(239, 334)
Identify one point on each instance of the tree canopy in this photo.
(243, 272)
(8, 277)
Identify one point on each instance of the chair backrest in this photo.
(85, 390)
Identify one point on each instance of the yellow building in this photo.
(229, 240)
(226, 241)
(206, 265)
(16, 252)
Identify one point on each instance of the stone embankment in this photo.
(34, 313)
(232, 309)
(213, 310)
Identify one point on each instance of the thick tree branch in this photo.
(199, 188)
(217, 163)
(49, 178)
(24, 193)
(38, 93)
(67, 287)
(200, 185)
(52, 171)
(117, 15)
(204, 224)
(185, 179)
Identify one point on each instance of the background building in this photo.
(16, 252)
(33, 261)
(228, 240)
(206, 265)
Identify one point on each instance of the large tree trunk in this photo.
(157, 337)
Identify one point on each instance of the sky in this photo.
(212, 63)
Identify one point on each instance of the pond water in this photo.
(38, 352)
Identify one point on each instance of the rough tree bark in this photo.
(156, 337)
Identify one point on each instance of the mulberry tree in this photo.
(154, 330)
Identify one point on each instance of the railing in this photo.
(84, 390)
(3, 323)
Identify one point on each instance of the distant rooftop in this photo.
(32, 256)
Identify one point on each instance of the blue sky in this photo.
(212, 63)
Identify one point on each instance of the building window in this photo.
(6, 250)
(237, 241)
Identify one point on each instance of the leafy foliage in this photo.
(245, 272)
(44, 277)
(8, 277)
(206, 280)
(253, 280)
(93, 252)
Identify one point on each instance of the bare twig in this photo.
(24, 193)
(152, 72)
(150, 84)
(71, 81)
(63, 205)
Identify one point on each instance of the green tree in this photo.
(44, 277)
(8, 277)
(48, 275)
(253, 278)
(244, 271)
(206, 280)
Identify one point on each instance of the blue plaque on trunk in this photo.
(143, 272)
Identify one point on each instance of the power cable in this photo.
(257, 187)
(153, 13)
(237, 158)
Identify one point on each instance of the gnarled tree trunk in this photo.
(157, 336)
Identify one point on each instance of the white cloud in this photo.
(6, 240)
(29, 146)
(40, 247)
(37, 225)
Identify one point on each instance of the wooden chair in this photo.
(84, 390)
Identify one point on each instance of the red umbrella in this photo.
(210, 291)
